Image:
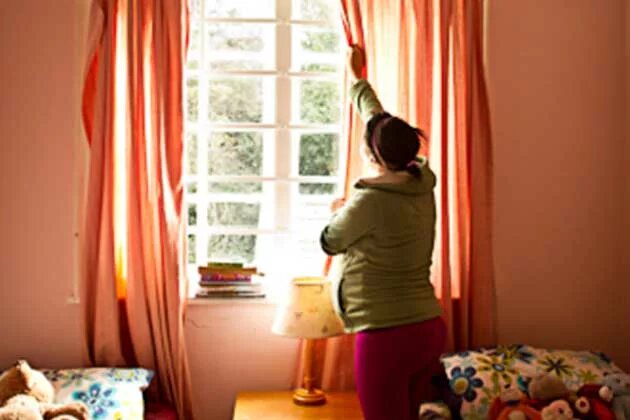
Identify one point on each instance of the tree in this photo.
(242, 99)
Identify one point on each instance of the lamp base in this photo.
(302, 396)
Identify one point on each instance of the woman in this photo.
(386, 232)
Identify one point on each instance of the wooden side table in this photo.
(279, 406)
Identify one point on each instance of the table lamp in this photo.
(308, 313)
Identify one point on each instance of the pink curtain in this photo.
(134, 289)
(425, 60)
(430, 72)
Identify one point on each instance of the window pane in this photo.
(234, 187)
(319, 101)
(317, 189)
(192, 99)
(240, 8)
(319, 154)
(195, 8)
(315, 10)
(319, 41)
(192, 251)
(232, 248)
(191, 153)
(318, 67)
(316, 50)
(194, 49)
(192, 214)
(240, 46)
(191, 188)
(248, 99)
(234, 214)
(235, 153)
(195, 38)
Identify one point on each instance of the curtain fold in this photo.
(134, 290)
(424, 59)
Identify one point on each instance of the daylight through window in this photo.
(264, 155)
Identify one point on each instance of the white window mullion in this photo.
(283, 114)
(288, 222)
(202, 150)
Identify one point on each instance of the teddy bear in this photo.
(545, 388)
(586, 404)
(557, 410)
(26, 394)
(617, 388)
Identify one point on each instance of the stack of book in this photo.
(228, 280)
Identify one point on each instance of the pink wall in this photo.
(232, 349)
(555, 72)
(38, 117)
(626, 246)
(558, 120)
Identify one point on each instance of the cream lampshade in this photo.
(308, 313)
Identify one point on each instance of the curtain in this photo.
(133, 289)
(425, 60)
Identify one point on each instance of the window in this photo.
(264, 155)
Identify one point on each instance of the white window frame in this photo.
(285, 149)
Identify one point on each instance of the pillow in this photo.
(478, 376)
(109, 393)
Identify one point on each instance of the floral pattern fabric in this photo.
(109, 393)
(478, 376)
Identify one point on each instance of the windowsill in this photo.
(231, 301)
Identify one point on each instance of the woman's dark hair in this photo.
(394, 143)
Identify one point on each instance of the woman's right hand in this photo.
(356, 61)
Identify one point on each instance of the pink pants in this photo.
(394, 367)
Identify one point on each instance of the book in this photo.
(218, 277)
(221, 283)
(255, 296)
(230, 294)
(252, 271)
(224, 265)
(224, 289)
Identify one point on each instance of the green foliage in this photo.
(191, 153)
(192, 250)
(317, 10)
(239, 37)
(232, 248)
(192, 99)
(235, 153)
(317, 67)
(319, 154)
(228, 65)
(235, 100)
(319, 102)
(321, 42)
(317, 189)
(192, 214)
(234, 187)
(233, 214)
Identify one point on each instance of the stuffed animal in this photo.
(546, 388)
(434, 411)
(26, 394)
(511, 404)
(588, 403)
(557, 410)
(618, 386)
